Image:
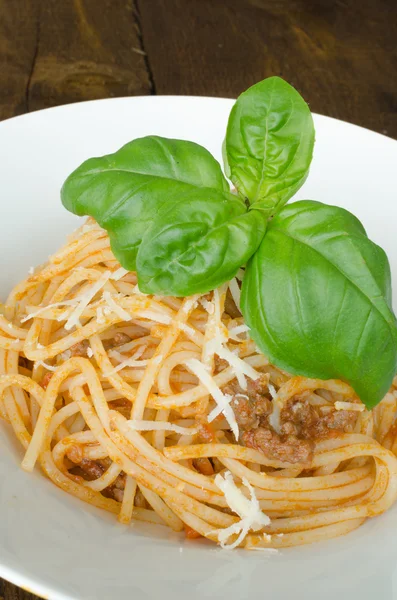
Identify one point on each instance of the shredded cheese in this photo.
(90, 353)
(186, 328)
(44, 308)
(248, 509)
(217, 345)
(116, 275)
(208, 306)
(240, 367)
(84, 299)
(137, 291)
(189, 305)
(127, 362)
(349, 406)
(235, 331)
(221, 399)
(99, 315)
(152, 315)
(235, 291)
(116, 308)
(140, 425)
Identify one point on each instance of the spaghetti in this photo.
(163, 410)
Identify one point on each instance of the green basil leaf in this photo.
(317, 298)
(269, 144)
(123, 191)
(198, 243)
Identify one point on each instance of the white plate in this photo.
(61, 548)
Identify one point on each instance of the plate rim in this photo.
(33, 583)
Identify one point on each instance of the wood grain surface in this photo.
(340, 54)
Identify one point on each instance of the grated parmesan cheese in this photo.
(116, 275)
(158, 317)
(116, 308)
(349, 406)
(221, 399)
(239, 366)
(90, 353)
(235, 331)
(84, 299)
(140, 425)
(189, 305)
(137, 291)
(235, 291)
(217, 345)
(44, 308)
(248, 509)
(274, 417)
(208, 306)
(127, 362)
(186, 328)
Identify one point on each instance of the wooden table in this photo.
(340, 54)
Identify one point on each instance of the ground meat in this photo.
(288, 449)
(25, 363)
(339, 421)
(301, 422)
(230, 306)
(117, 495)
(75, 453)
(80, 349)
(91, 469)
(122, 405)
(252, 404)
(301, 425)
(206, 433)
(220, 364)
(118, 340)
(46, 379)
(203, 466)
(300, 418)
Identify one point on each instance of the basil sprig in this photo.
(317, 292)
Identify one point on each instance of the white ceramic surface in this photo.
(57, 546)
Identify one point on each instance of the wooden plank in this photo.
(341, 55)
(18, 35)
(8, 591)
(86, 51)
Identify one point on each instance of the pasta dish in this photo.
(150, 395)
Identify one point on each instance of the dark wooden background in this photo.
(340, 54)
